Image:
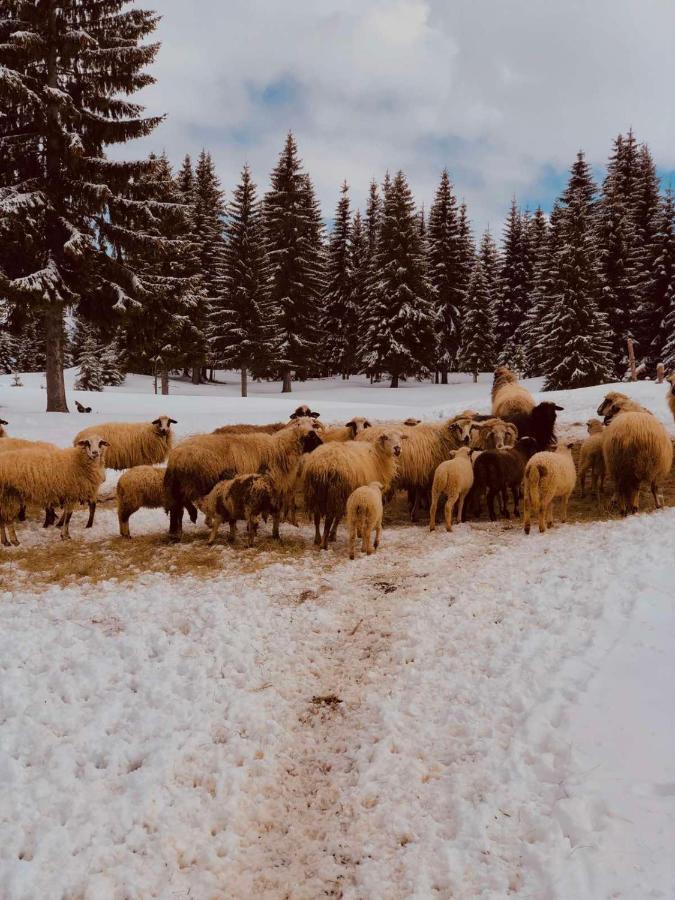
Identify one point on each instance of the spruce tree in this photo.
(358, 267)
(646, 222)
(7, 348)
(545, 244)
(89, 373)
(66, 72)
(478, 323)
(401, 320)
(339, 320)
(242, 320)
(112, 364)
(445, 273)
(511, 305)
(293, 233)
(373, 218)
(662, 287)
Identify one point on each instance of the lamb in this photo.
(508, 397)
(498, 470)
(333, 471)
(453, 479)
(347, 432)
(364, 515)
(636, 448)
(142, 487)
(198, 463)
(244, 497)
(671, 393)
(591, 458)
(548, 475)
(50, 478)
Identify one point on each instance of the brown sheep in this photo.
(245, 497)
(616, 402)
(548, 476)
(364, 515)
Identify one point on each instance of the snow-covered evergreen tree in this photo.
(401, 320)
(662, 288)
(545, 243)
(478, 320)
(7, 348)
(358, 266)
(112, 364)
(646, 222)
(339, 320)
(511, 304)
(89, 373)
(242, 320)
(445, 273)
(66, 73)
(294, 240)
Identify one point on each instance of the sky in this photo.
(501, 92)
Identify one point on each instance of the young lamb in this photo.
(452, 479)
(50, 478)
(636, 448)
(498, 470)
(198, 463)
(508, 397)
(245, 497)
(333, 471)
(142, 488)
(671, 393)
(549, 475)
(364, 515)
(591, 458)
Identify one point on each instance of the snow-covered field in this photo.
(479, 714)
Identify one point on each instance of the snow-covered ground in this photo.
(479, 714)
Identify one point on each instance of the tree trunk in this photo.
(475, 377)
(56, 387)
(165, 381)
(444, 376)
(394, 380)
(436, 378)
(286, 387)
(196, 375)
(244, 382)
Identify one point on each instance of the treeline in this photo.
(163, 273)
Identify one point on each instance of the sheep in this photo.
(591, 458)
(671, 394)
(198, 463)
(364, 515)
(142, 487)
(616, 402)
(636, 447)
(492, 434)
(8, 445)
(3, 433)
(539, 423)
(244, 497)
(508, 397)
(454, 479)
(499, 470)
(347, 432)
(302, 412)
(50, 478)
(412, 421)
(548, 475)
(333, 471)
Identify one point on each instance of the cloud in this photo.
(502, 93)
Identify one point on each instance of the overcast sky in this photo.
(502, 92)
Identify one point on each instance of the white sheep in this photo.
(549, 475)
(133, 443)
(345, 432)
(364, 515)
(50, 478)
(454, 479)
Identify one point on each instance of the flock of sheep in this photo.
(245, 472)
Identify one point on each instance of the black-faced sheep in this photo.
(539, 423)
(495, 471)
(453, 480)
(198, 463)
(591, 458)
(364, 515)
(548, 476)
(245, 497)
(333, 471)
(50, 478)
(636, 449)
(346, 432)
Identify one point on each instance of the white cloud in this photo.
(500, 92)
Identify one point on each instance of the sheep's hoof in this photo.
(15, 541)
(175, 538)
(448, 527)
(6, 543)
(351, 556)
(432, 527)
(526, 528)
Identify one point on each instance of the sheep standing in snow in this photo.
(50, 478)
(508, 397)
(302, 412)
(452, 479)
(636, 448)
(616, 402)
(333, 471)
(671, 393)
(245, 497)
(591, 458)
(548, 476)
(142, 488)
(498, 470)
(364, 515)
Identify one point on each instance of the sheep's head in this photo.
(163, 425)
(609, 400)
(308, 433)
(461, 429)
(543, 418)
(391, 441)
(93, 446)
(357, 425)
(497, 435)
(461, 452)
(671, 380)
(411, 422)
(2, 427)
(527, 446)
(594, 426)
(304, 412)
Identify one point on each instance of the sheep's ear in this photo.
(173, 422)
(367, 424)
(156, 422)
(351, 425)
(559, 408)
(315, 415)
(405, 437)
(3, 422)
(104, 443)
(83, 443)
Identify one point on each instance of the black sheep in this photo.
(498, 470)
(538, 424)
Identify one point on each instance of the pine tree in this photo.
(511, 305)
(373, 218)
(7, 348)
(112, 364)
(662, 288)
(401, 320)
(646, 221)
(478, 323)
(358, 266)
(242, 319)
(66, 71)
(89, 374)
(445, 273)
(339, 321)
(293, 232)
(545, 243)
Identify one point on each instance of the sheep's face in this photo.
(93, 446)
(461, 430)
(609, 400)
(461, 453)
(163, 425)
(357, 425)
(304, 412)
(391, 442)
(499, 436)
(612, 410)
(308, 433)
(594, 426)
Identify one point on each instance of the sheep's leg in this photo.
(65, 528)
(334, 529)
(317, 529)
(327, 525)
(12, 534)
(22, 514)
(191, 511)
(123, 515)
(460, 507)
(378, 534)
(232, 536)
(176, 522)
(352, 539)
(504, 500)
(658, 499)
(449, 507)
(526, 512)
(550, 513)
(275, 526)
(563, 507)
(3, 535)
(253, 528)
(543, 511)
(216, 522)
(515, 491)
(432, 511)
(62, 520)
(50, 517)
(92, 512)
(491, 504)
(367, 535)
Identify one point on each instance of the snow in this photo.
(505, 724)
